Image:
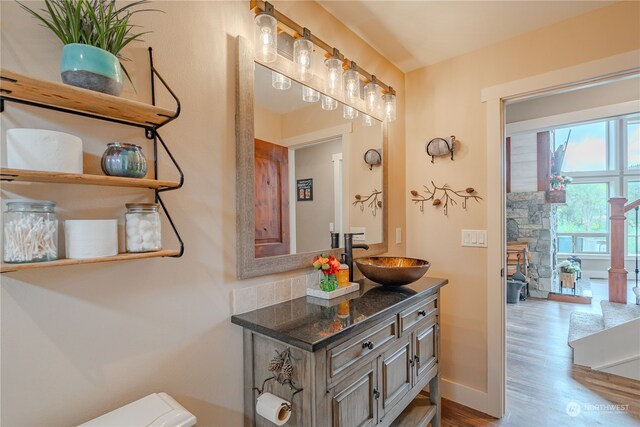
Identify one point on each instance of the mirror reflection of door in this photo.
(271, 187)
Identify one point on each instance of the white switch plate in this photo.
(361, 237)
(331, 226)
(474, 238)
(398, 235)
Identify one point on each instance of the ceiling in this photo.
(414, 34)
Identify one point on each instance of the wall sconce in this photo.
(280, 82)
(372, 157)
(266, 35)
(349, 113)
(352, 83)
(389, 100)
(372, 96)
(302, 49)
(328, 103)
(440, 147)
(334, 73)
(310, 95)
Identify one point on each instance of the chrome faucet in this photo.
(348, 249)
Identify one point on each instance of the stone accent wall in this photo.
(531, 219)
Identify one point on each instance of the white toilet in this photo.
(154, 410)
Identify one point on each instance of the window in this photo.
(583, 223)
(587, 149)
(603, 158)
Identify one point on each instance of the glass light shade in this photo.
(349, 113)
(351, 85)
(329, 103)
(280, 82)
(310, 95)
(389, 101)
(266, 38)
(333, 84)
(372, 98)
(367, 120)
(302, 49)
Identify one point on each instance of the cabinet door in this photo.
(395, 374)
(425, 348)
(354, 399)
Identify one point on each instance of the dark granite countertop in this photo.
(311, 323)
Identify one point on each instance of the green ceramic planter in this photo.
(91, 68)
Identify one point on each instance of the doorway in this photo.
(495, 99)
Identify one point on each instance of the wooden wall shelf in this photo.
(21, 175)
(28, 90)
(7, 268)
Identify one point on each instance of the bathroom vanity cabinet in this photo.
(362, 360)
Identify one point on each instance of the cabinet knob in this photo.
(416, 359)
(367, 344)
(376, 393)
(422, 313)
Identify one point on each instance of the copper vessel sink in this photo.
(392, 271)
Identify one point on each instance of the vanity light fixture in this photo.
(310, 95)
(352, 83)
(269, 21)
(279, 81)
(302, 50)
(266, 34)
(367, 120)
(349, 113)
(334, 73)
(372, 96)
(389, 101)
(328, 103)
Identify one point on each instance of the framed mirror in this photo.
(301, 171)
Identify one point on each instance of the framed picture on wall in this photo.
(304, 189)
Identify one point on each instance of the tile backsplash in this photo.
(254, 297)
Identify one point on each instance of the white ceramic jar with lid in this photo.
(30, 231)
(143, 228)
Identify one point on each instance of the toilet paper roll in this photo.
(44, 150)
(91, 238)
(273, 408)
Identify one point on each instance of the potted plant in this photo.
(558, 184)
(568, 273)
(93, 32)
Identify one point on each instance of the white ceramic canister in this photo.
(143, 228)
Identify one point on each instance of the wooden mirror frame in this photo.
(247, 263)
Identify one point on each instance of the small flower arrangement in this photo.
(328, 266)
(568, 267)
(558, 182)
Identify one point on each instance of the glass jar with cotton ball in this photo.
(143, 228)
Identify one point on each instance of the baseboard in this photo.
(464, 395)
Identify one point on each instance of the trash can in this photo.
(513, 291)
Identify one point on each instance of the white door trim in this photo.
(494, 98)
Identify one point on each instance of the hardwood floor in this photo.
(542, 383)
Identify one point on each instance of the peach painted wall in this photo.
(79, 341)
(445, 99)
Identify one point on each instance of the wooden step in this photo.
(418, 413)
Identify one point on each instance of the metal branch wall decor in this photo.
(374, 202)
(444, 196)
(281, 366)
